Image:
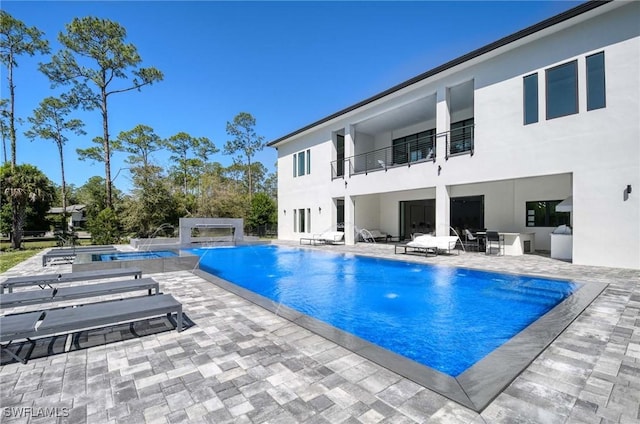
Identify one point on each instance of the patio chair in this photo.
(494, 240)
(471, 241)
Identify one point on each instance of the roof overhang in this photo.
(492, 47)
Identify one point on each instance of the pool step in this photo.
(529, 294)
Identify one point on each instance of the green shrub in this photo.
(105, 227)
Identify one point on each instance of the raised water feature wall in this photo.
(234, 225)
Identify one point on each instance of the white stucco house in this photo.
(494, 140)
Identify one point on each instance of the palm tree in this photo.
(23, 184)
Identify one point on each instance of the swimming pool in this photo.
(447, 319)
(132, 256)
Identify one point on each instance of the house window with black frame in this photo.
(543, 214)
(562, 90)
(461, 136)
(339, 155)
(301, 221)
(414, 147)
(596, 95)
(301, 164)
(530, 88)
(295, 220)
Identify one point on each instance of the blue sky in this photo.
(286, 63)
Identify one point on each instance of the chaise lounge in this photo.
(374, 235)
(429, 244)
(31, 297)
(69, 320)
(328, 237)
(46, 280)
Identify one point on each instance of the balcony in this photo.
(420, 149)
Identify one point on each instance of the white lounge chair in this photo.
(328, 237)
(434, 243)
(332, 237)
(376, 235)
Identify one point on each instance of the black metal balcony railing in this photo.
(401, 154)
(457, 141)
(337, 169)
(460, 141)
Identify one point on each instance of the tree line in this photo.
(95, 63)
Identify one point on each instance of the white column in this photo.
(442, 123)
(349, 220)
(443, 202)
(349, 148)
(349, 202)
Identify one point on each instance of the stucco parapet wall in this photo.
(186, 224)
(146, 243)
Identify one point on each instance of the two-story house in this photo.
(495, 139)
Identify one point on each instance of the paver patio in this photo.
(240, 363)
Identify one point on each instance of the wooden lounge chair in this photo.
(31, 297)
(46, 280)
(69, 320)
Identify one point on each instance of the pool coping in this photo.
(477, 386)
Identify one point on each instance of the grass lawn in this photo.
(13, 258)
(9, 259)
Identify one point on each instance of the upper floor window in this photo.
(339, 171)
(531, 99)
(596, 97)
(415, 147)
(302, 163)
(562, 90)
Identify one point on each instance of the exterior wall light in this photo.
(628, 188)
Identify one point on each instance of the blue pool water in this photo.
(442, 317)
(131, 256)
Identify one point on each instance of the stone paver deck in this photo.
(242, 364)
